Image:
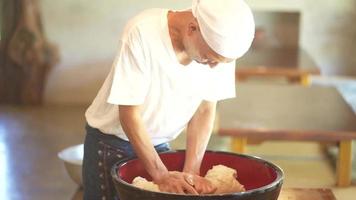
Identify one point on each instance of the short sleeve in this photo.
(131, 72)
(222, 82)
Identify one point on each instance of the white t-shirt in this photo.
(146, 72)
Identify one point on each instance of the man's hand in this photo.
(202, 185)
(175, 182)
(198, 134)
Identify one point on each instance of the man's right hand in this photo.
(175, 182)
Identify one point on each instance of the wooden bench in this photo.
(290, 112)
(306, 194)
(295, 64)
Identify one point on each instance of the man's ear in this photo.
(192, 27)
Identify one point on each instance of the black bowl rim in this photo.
(273, 185)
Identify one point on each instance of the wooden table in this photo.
(293, 63)
(290, 112)
(286, 194)
(306, 194)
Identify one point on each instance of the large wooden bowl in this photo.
(262, 179)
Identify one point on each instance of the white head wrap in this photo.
(227, 26)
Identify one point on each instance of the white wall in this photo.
(276, 5)
(87, 33)
(329, 34)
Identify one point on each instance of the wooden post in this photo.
(344, 163)
(26, 56)
(305, 80)
(238, 144)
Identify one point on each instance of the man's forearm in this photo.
(133, 126)
(198, 134)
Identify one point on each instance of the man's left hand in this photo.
(201, 185)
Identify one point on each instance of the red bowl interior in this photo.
(251, 172)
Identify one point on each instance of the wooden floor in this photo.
(31, 137)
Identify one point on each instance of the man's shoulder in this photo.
(150, 13)
(146, 18)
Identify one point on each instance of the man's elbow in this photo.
(207, 107)
(128, 113)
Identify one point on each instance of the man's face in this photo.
(199, 50)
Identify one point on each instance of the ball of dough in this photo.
(224, 179)
(144, 184)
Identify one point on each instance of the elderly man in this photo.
(172, 68)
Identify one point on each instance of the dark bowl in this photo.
(262, 179)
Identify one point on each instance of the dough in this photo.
(144, 184)
(222, 177)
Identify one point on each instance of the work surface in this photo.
(286, 194)
(306, 194)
